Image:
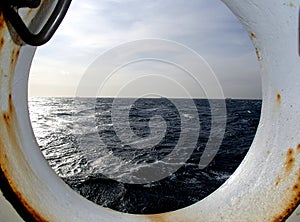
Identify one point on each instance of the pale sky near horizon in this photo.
(92, 28)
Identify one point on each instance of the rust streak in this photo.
(290, 160)
(278, 98)
(2, 21)
(298, 148)
(258, 54)
(9, 140)
(17, 53)
(28, 13)
(14, 196)
(2, 26)
(277, 182)
(14, 58)
(293, 202)
(9, 189)
(10, 104)
(252, 35)
(2, 43)
(7, 115)
(6, 118)
(33, 213)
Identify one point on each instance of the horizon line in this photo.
(132, 97)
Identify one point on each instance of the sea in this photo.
(98, 146)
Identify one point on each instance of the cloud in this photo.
(91, 28)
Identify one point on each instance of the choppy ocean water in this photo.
(92, 143)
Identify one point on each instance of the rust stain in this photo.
(6, 118)
(291, 4)
(2, 26)
(10, 191)
(296, 188)
(293, 202)
(278, 98)
(6, 115)
(252, 35)
(2, 43)
(284, 215)
(158, 217)
(14, 196)
(14, 57)
(290, 160)
(258, 54)
(28, 13)
(8, 139)
(277, 182)
(13, 61)
(18, 52)
(32, 212)
(10, 103)
(2, 21)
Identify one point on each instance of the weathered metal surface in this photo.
(10, 142)
(266, 186)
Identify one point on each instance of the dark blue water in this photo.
(91, 145)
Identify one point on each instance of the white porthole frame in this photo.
(265, 187)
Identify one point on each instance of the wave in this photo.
(82, 146)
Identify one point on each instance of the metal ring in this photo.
(48, 30)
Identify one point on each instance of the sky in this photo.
(131, 48)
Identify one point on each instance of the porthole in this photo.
(99, 140)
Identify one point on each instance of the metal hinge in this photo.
(10, 12)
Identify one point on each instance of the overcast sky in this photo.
(92, 28)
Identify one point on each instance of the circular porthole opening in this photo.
(164, 114)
